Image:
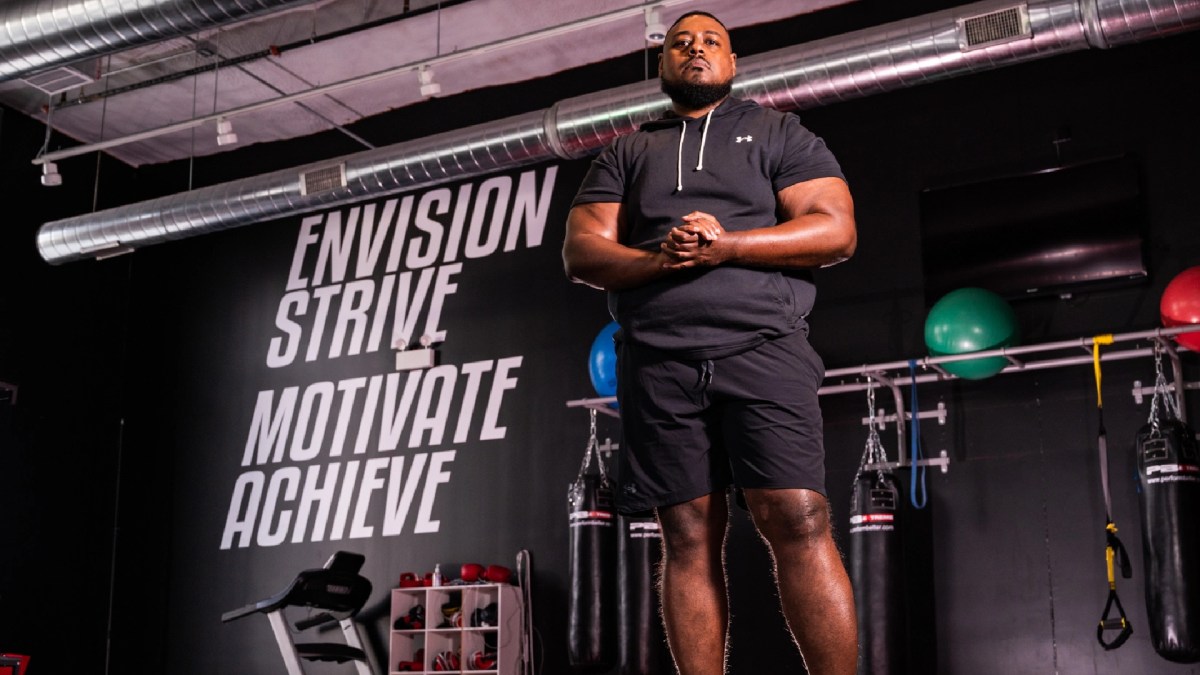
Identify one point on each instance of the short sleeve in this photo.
(605, 179)
(805, 157)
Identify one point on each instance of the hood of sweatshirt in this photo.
(727, 107)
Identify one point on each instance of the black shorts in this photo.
(692, 428)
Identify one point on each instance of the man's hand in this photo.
(594, 255)
(695, 243)
(816, 229)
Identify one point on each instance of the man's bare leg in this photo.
(692, 588)
(817, 598)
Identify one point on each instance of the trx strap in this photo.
(1113, 547)
(916, 493)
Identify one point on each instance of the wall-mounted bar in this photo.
(603, 405)
(882, 419)
(894, 373)
(1010, 353)
(1140, 391)
(942, 462)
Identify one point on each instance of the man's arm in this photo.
(817, 229)
(594, 255)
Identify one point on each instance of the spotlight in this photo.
(656, 30)
(225, 135)
(428, 86)
(50, 175)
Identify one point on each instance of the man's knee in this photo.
(790, 516)
(693, 529)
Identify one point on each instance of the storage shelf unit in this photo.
(441, 633)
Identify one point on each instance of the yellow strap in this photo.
(1106, 339)
(1108, 558)
(1109, 554)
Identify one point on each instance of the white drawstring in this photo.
(679, 160)
(703, 138)
(699, 158)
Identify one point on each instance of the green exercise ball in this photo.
(971, 320)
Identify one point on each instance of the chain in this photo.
(871, 402)
(874, 449)
(593, 448)
(592, 428)
(874, 452)
(1161, 392)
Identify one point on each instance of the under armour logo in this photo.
(741, 139)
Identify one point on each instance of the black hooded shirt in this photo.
(730, 163)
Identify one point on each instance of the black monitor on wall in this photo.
(1053, 232)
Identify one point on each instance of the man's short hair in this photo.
(695, 13)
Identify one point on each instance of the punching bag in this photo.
(591, 621)
(641, 640)
(1169, 474)
(877, 573)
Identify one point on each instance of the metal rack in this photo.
(894, 374)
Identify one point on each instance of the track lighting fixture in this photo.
(428, 86)
(656, 30)
(225, 134)
(50, 174)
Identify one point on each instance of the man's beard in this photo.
(695, 96)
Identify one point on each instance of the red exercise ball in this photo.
(1180, 306)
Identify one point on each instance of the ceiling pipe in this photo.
(938, 46)
(40, 34)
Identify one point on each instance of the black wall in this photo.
(145, 367)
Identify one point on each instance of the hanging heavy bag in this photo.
(640, 637)
(1169, 474)
(877, 561)
(591, 620)
(877, 572)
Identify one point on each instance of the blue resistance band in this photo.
(915, 445)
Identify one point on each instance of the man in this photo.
(707, 270)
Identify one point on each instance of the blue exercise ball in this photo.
(602, 362)
(971, 320)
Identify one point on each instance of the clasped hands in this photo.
(695, 243)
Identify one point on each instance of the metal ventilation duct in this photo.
(38, 34)
(937, 46)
